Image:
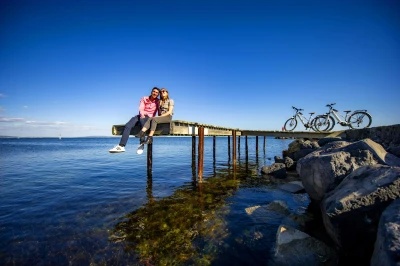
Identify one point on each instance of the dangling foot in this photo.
(117, 149)
(140, 134)
(149, 140)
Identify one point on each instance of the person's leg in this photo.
(153, 126)
(144, 122)
(127, 130)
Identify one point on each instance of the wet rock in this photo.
(294, 247)
(262, 214)
(293, 187)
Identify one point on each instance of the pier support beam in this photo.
(265, 142)
(150, 157)
(256, 144)
(234, 147)
(194, 158)
(229, 148)
(200, 159)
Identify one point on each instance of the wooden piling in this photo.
(234, 147)
(200, 151)
(247, 147)
(256, 144)
(194, 158)
(229, 149)
(150, 157)
(214, 142)
(265, 142)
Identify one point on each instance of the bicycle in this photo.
(326, 122)
(291, 123)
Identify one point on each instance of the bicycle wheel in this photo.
(290, 124)
(321, 123)
(312, 124)
(359, 120)
(332, 123)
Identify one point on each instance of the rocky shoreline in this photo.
(353, 181)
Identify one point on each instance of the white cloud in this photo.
(43, 123)
(25, 106)
(11, 119)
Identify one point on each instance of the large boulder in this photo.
(387, 245)
(322, 170)
(351, 212)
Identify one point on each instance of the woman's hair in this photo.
(162, 98)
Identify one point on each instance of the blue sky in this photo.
(76, 68)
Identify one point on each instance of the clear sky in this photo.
(76, 68)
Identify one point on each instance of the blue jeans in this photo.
(128, 127)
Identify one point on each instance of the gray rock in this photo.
(276, 169)
(279, 159)
(323, 141)
(395, 150)
(290, 164)
(387, 245)
(295, 145)
(308, 144)
(301, 153)
(323, 169)
(351, 212)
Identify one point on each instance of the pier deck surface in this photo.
(185, 128)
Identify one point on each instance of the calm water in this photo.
(70, 202)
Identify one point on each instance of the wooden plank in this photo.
(186, 128)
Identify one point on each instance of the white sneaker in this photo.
(117, 149)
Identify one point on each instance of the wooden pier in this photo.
(185, 128)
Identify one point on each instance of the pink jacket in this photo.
(148, 107)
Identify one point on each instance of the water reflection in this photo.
(185, 227)
(172, 229)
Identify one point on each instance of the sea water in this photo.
(71, 202)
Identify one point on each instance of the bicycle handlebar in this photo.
(297, 109)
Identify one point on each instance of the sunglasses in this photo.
(164, 91)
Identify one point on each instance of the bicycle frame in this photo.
(335, 113)
(302, 118)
